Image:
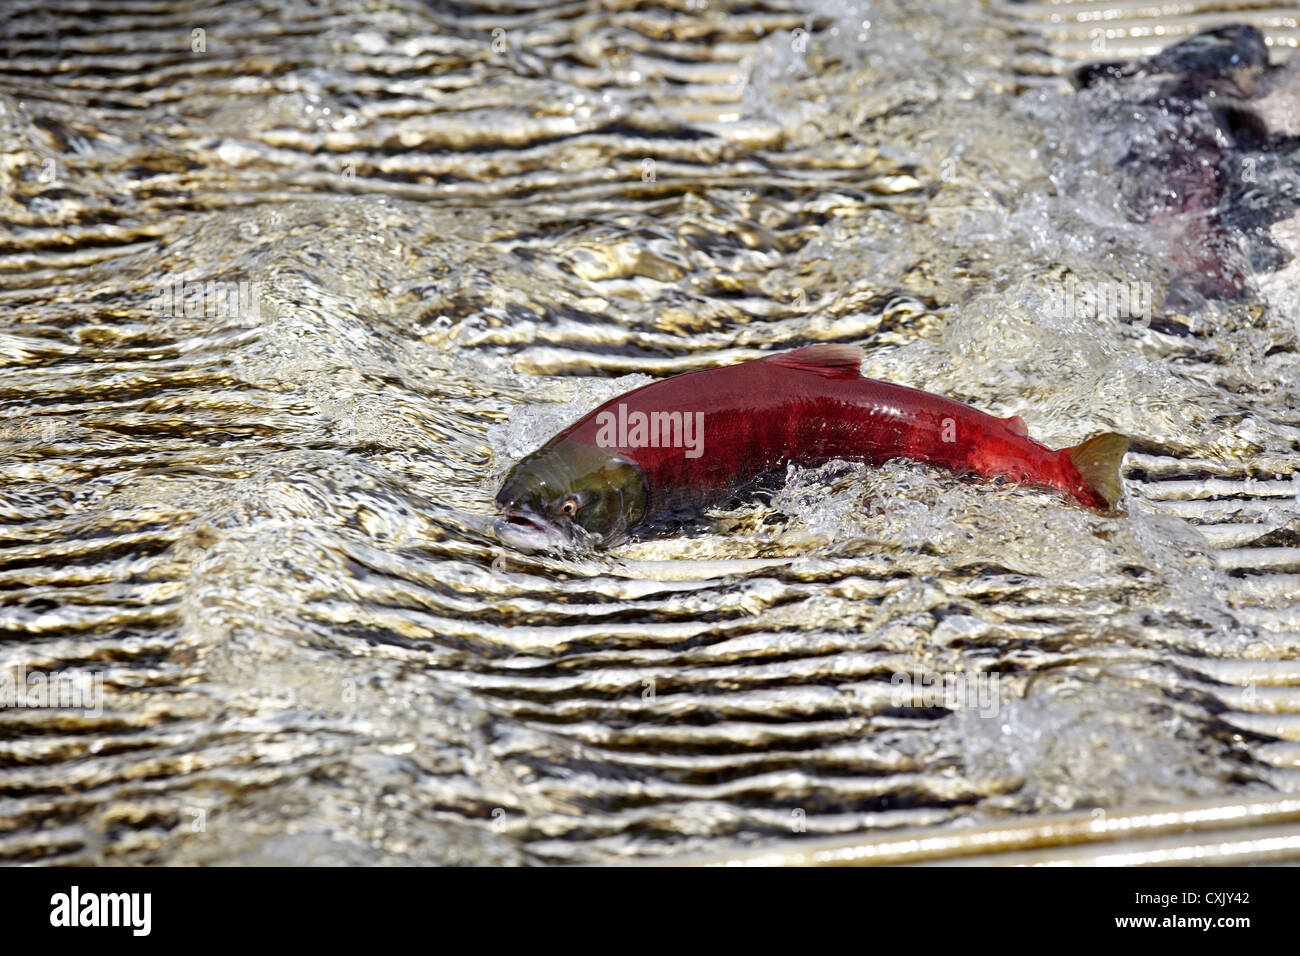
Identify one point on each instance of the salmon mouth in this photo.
(528, 531)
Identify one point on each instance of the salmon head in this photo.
(568, 494)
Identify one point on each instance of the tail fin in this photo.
(1098, 460)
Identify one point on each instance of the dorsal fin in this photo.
(1017, 425)
(832, 361)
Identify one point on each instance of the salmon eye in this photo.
(570, 506)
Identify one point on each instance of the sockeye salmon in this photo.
(675, 447)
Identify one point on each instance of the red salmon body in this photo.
(676, 447)
(701, 436)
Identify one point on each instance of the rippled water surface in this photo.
(264, 518)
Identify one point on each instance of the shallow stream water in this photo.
(424, 238)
